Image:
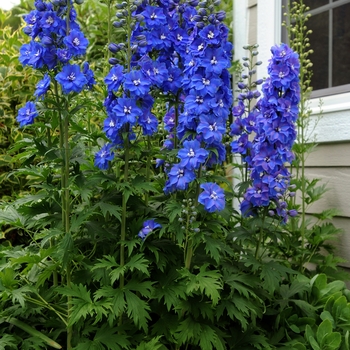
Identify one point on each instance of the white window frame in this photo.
(334, 126)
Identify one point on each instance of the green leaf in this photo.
(323, 329)
(108, 337)
(232, 312)
(326, 315)
(137, 309)
(307, 308)
(314, 344)
(213, 248)
(112, 209)
(188, 330)
(209, 340)
(8, 341)
(153, 344)
(207, 282)
(33, 332)
(138, 262)
(331, 341)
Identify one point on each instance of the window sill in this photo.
(330, 103)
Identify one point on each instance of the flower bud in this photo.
(139, 18)
(212, 19)
(194, 3)
(202, 12)
(114, 48)
(220, 16)
(46, 40)
(40, 6)
(292, 213)
(113, 61)
(117, 24)
(27, 30)
(241, 85)
(196, 18)
(142, 43)
(256, 94)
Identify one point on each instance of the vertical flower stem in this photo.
(66, 215)
(66, 208)
(124, 212)
(261, 233)
(126, 166)
(148, 166)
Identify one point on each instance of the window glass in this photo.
(341, 45)
(315, 3)
(319, 43)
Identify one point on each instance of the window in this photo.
(330, 40)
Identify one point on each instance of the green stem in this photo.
(148, 167)
(124, 212)
(261, 233)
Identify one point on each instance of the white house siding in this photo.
(330, 161)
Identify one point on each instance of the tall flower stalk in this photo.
(271, 124)
(56, 39)
(298, 35)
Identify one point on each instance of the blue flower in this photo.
(212, 197)
(42, 86)
(192, 155)
(137, 83)
(179, 179)
(64, 55)
(205, 84)
(76, 42)
(154, 17)
(89, 74)
(103, 156)
(210, 34)
(71, 79)
(148, 227)
(27, 114)
(214, 60)
(32, 54)
(212, 129)
(114, 78)
(149, 123)
(126, 111)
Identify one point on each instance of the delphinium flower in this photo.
(212, 197)
(275, 115)
(129, 102)
(27, 114)
(148, 227)
(103, 156)
(54, 42)
(205, 88)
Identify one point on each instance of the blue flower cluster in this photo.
(55, 40)
(273, 123)
(183, 53)
(148, 227)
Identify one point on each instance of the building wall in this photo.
(330, 162)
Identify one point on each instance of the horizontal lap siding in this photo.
(330, 162)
